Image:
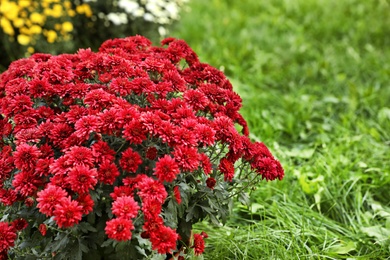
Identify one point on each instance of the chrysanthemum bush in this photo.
(120, 152)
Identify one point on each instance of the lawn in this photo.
(314, 79)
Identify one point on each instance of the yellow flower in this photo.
(84, 9)
(57, 26)
(67, 4)
(24, 3)
(37, 18)
(45, 4)
(18, 22)
(6, 26)
(57, 11)
(28, 23)
(48, 11)
(67, 26)
(24, 30)
(30, 50)
(23, 14)
(9, 9)
(35, 29)
(71, 13)
(24, 39)
(51, 36)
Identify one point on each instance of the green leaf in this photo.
(255, 207)
(380, 233)
(193, 213)
(170, 214)
(342, 248)
(107, 243)
(83, 247)
(214, 220)
(61, 241)
(75, 253)
(85, 227)
(243, 198)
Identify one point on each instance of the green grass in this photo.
(314, 78)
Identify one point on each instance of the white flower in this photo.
(148, 17)
(117, 18)
(173, 10)
(128, 5)
(156, 11)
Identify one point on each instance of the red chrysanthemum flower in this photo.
(268, 168)
(59, 133)
(7, 236)
(49, 198)
(130, 160)
(121, 191)
(151, 209)
(8, 197)
(29, 135)
(26, 183)
(82, 179)
(43, 166)
(152, 224)
(134, 132)
(186, 157)
(101, 152)
(119, 229)
(185, 137)
(76, 113)
(67, 212)
(151, 153)
(108, 122)
(176, 193)
(40, 87)
(60, 166)
(210, 182)
(164, 239)
(255, 150)
(121, 86)
(199, 244)
(150, 189)
(206, 164)
(108, 172)
(78, 155)
(150, 122)
(46, 150)
(227, 168)
(125, 207)
(98, 99)
(132, 182)
(18, 104)
(86, 201)
(29, 202)
(19, 224)
(205, 134)
(26, 156)
(42, 229)
(166, 169)
(86, 125)
(196, 99)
